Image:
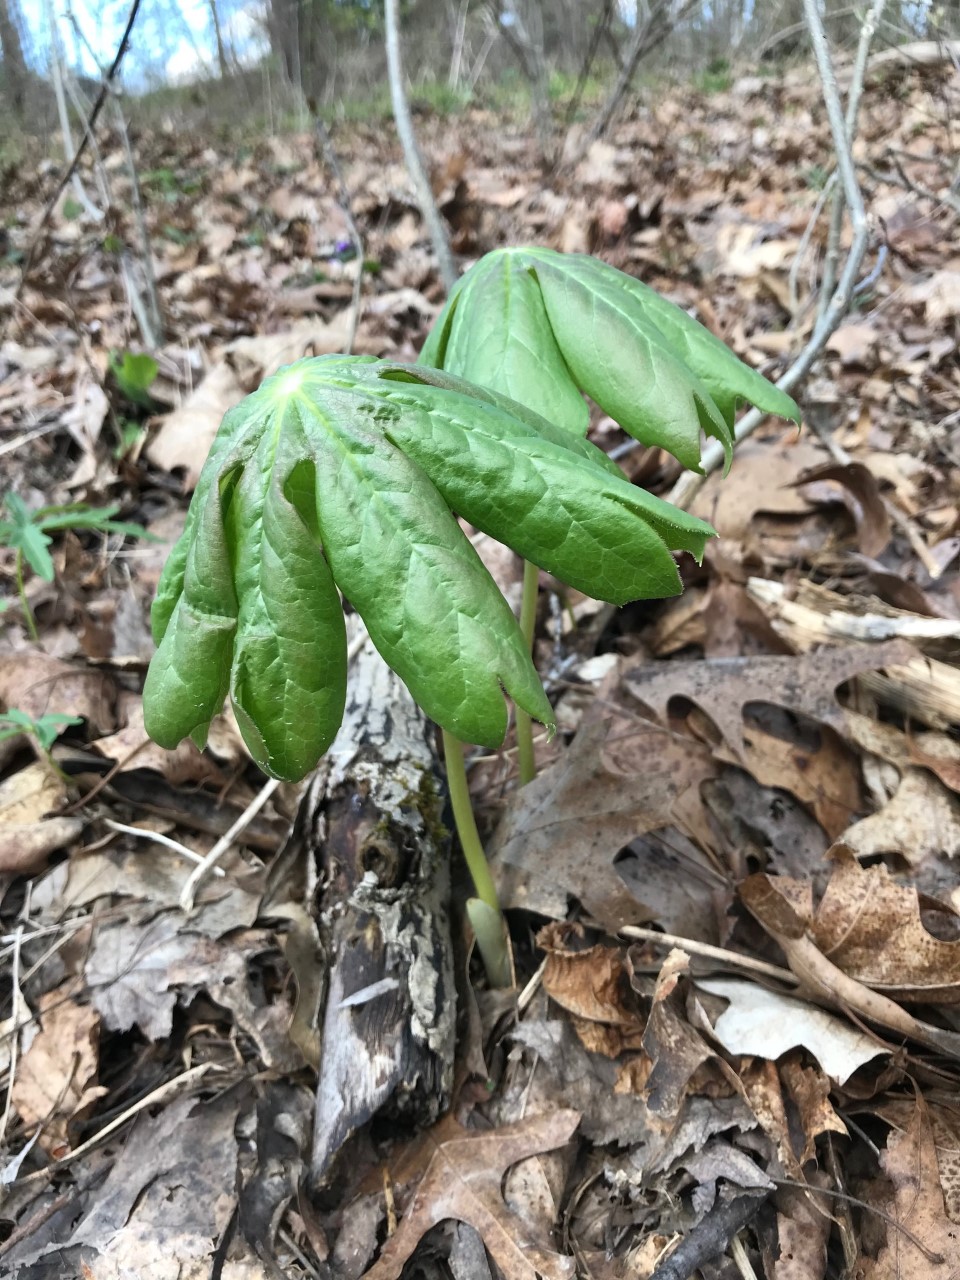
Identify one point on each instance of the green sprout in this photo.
(44, 729)
(28, 534)
(346, 475)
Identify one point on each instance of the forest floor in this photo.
(766, 768)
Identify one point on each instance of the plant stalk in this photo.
(528, 619)
(27, 611)
(494, 951)
(466, 823)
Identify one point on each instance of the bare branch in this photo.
(78, 154)
(689, 484)
(408, 140)
(648, 34)
(853, 109)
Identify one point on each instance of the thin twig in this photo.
(709, 1238)
(804, 245)
(867, 30)
(15, 1000)
(649, 33)
(732, 958)
(943, 199)
(36, 1220)
(155, 1098)
(56, 71)
(689, 484)
(356, 240)
(153, 334)
(81, 147)
(408, 140)
(935, 1258)
(155, 837)
(600, 29)
(188, 893)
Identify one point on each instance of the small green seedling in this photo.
(45, 729)
(28, 534)
(347, 474)
(135, 373)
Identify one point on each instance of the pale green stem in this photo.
(493, 948)
(466, 823)
(528, 619)
(27, 611)
(489, 930)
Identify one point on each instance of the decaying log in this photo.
(371, 821)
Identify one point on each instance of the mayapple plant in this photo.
(545, 328)
(345, 476)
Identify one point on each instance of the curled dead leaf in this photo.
(591, 983)
(862, 493)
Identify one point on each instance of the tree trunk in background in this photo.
(222, 60)
(14, 65)
(651, 30)
(284, 27)
(522, 28)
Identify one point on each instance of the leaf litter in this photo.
(759, 778)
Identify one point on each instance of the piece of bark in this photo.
(373, 823)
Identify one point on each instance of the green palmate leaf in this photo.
(542, 327)
(346, 472)
(25, 536)
(46, 729)
(27, 531)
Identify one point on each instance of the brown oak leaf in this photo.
(463, 1181)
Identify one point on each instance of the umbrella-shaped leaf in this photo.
(346, 472)
(559, 507)
(583, 326)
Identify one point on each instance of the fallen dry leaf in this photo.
(591, 983)
(463, 1181)
(803, 1229)
(854, 343)
(27, 835)
(676, 1049)
(862, 492)
(759, 483)
(26, 846)
(128, 970)
(55, 1085)
(945, 1122)
(808, 1089)
(870, 927)
(766, 1024)
(723, 686)
(166, 1202)
(910, 1162)
(819, 769)
(560, 834)
(184, 436)
(940, 295)
(784, 907)
(38, 684)
(130, 748)
(921, 820)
